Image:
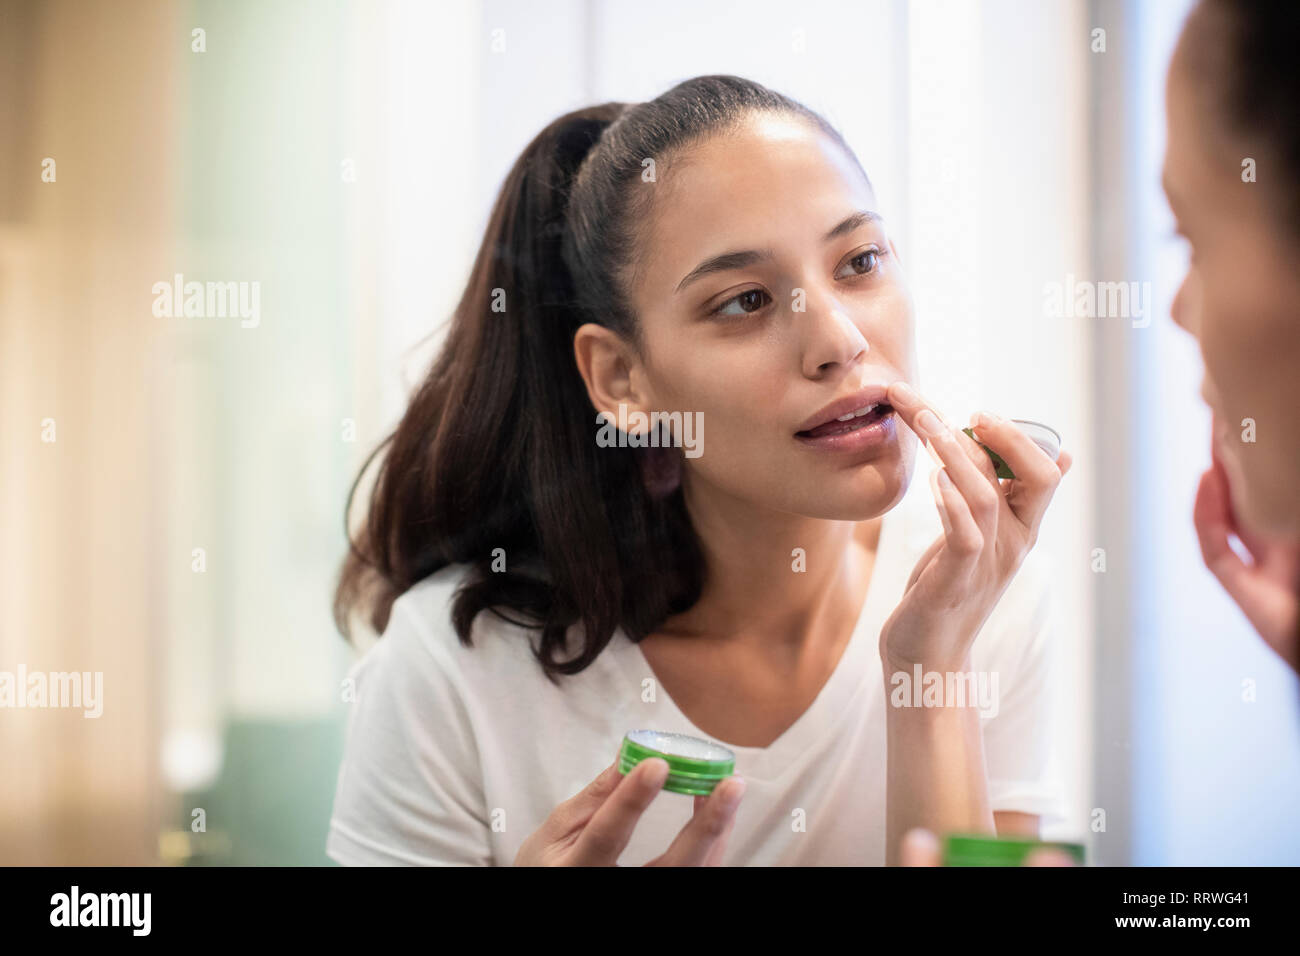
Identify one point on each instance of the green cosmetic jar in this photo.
(1044, 436)
(695, 766)
(971, 850)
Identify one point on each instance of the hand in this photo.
(592, 827)
(989, 527)
(1265, 589)
(920, 848)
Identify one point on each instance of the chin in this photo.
(868, 493)
(1264, 513)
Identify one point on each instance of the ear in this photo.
(610, 369)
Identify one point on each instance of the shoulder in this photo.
(420, 686)
(420, 638)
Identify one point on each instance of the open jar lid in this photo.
(695, 766)
(1044, 436)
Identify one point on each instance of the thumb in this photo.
(919, 848)
(1049, 856)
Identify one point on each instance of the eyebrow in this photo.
(739, 259)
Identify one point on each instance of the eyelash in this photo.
(716, 312)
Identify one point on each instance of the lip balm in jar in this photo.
(1044, 436)
(961, 849)
(695, 766)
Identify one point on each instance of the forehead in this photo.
(1197, 153)
(776, 180)
(1183, 136)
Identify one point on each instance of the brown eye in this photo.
(750, 301)
(865, 262)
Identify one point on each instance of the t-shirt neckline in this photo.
(829, 707)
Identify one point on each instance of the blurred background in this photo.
(173, 486)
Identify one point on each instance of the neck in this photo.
(754, 591)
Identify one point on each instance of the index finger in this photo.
(909, 404)
(605, 837)
(1036, 475)
(920, 847)
(1049, 856)
(703, 839)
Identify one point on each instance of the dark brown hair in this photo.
(1243, 54)
(497, 448)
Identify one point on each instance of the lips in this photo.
(844, 414)
(849, 422)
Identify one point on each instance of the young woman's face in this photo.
(1241, 299)
(767, 344)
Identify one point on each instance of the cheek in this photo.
(734, 384)
(1248, 335)
(1224, 313)
(890, 328)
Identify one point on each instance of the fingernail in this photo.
(904, 393)
(935, 478)
(1049, 856)
(929, 424)
(657, 774)
(731, 796)
(985, 420)
(922, 839)
(943, 518)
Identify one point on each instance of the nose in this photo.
(831, 339)
(1185, 307)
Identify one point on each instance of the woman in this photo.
(1231, 96)
(714, 254)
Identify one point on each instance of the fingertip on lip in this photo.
(902, 392)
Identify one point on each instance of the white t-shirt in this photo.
(455, 755)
